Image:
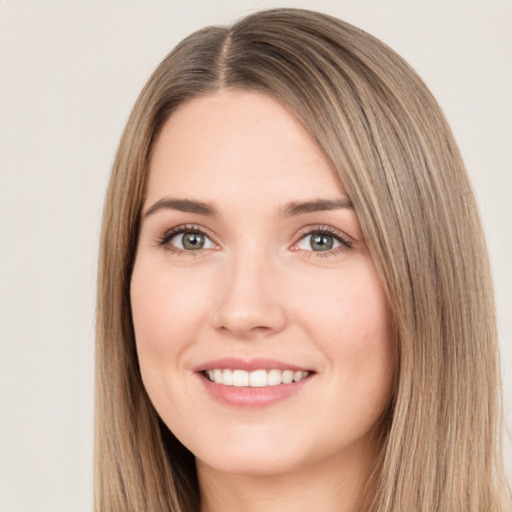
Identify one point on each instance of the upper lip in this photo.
(249, 365)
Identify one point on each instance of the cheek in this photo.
(166, 307)
(167, 311)
(351, 303)
(350, 321)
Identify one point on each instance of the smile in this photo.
(254, 379)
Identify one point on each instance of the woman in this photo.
(294, 304)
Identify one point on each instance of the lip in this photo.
(251, 397)
(249, 365)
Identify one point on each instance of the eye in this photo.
(318, 242)
(191, 241)
(186, 239)
(322, 240)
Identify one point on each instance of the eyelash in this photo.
(164, 240)
(345, 243)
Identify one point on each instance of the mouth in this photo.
(254, 383)
(254, 379)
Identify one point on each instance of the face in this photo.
(262, 330)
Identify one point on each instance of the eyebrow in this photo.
(183, 205)
(291, 209)
(317, 205)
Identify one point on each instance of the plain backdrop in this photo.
(69, 74)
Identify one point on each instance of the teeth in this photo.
(240, 378)
(258, 379)
(287, 377)
(274, 377)
(227, 377)
(254, 379)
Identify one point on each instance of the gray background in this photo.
(69, 74)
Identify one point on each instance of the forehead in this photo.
(238, 145)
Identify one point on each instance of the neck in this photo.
(333, 486)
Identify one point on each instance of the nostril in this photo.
(249, 322)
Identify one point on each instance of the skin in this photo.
(258, 289)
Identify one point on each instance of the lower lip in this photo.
(248, 397)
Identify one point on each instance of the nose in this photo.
(249, 301)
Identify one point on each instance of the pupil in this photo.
(193, 241)
(321, 242)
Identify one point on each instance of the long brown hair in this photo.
(383, 132)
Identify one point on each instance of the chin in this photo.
(269, 465)
(261, 456)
